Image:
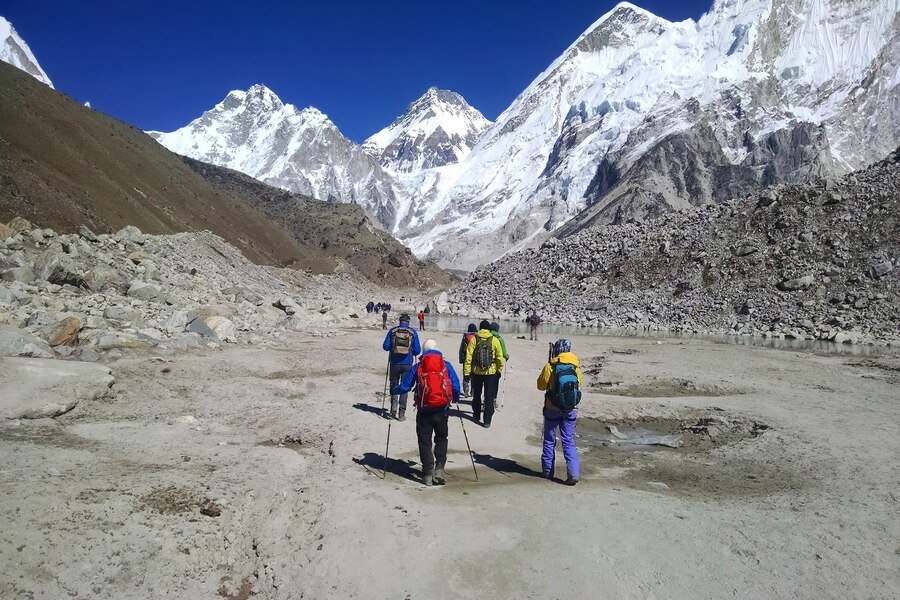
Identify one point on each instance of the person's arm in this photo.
(454, 380)
(503, 345)
(499, 360)
(578, 373)
(416, 348)
(543, 380)
(387, 340)
(406, 384)
(470, 349)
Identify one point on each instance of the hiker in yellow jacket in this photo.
(484, 363)
(560, 380)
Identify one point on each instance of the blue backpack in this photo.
(565, 380)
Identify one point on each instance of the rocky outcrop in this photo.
(96, 297)
(39, 388)
(800, 261)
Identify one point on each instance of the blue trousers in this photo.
(565, 422)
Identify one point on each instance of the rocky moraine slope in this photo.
(808, 262)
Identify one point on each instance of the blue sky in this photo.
(159, 64)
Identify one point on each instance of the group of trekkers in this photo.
(383, 308)
(483, 356)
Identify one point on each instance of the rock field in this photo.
(803, 262)
(91, 297)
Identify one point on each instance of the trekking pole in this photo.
(503, 393)
(466, 436)
(386, 448)
(387, 372)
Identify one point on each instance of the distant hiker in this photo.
(378, 308)
(384, 320)
(533, 322)
(403, 344)
(560, 380)
(467, 337)
(484, 362)
(436, 386)
(421, 316)
(495, 330)
(370, 307)
(387, 307)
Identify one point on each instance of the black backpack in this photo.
(483, 353)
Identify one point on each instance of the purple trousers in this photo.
(565, 422)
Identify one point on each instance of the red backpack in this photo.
(434, 389)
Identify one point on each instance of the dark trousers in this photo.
(488, 383)
(397, 373)
(421, 325)
(434, 423)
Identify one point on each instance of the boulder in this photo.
(198, 325)
(87, 234)
(37, 388)
(745, 249)
(18, 342)
(6, 232)
(59, 268)
(67, 333)
(144, 291)
(289, 306)
(121, 314)
(102, 277)
(222, 327)
(19, 225)
(881, 269)
(799, 283)
(21, 274)
(130, 234)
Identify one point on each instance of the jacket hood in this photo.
(565, 357)
(485, 333)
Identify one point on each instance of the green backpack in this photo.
(483, 353)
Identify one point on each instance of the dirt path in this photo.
(256, 471)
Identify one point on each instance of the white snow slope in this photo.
(633, 78)
(462, 190)
(15, 51)
(299, 150)
(438, 129)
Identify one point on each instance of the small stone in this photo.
(67, 333)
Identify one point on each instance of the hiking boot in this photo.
(402, 416)
(428, 478)
(393, 414)
(572, 481)
(487, 425)
(439, 477)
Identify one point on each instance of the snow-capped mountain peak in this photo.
(15, 51)
(256, 133)
(438, 129)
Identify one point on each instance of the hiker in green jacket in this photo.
(495, 329)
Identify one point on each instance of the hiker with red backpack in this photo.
(436, 386)
(484, 363)
(402, 343)
(560, 380)
(467, 337)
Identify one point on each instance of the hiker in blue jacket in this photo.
(403, 344)
(436, 386)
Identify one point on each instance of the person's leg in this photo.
(403, 369)
(441, 431)
(548, 454)
(477, 387)
(567, 436)
(395, 380)
(424, 429)
(491, 384)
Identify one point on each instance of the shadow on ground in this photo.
(505, 466)
(376, 463)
